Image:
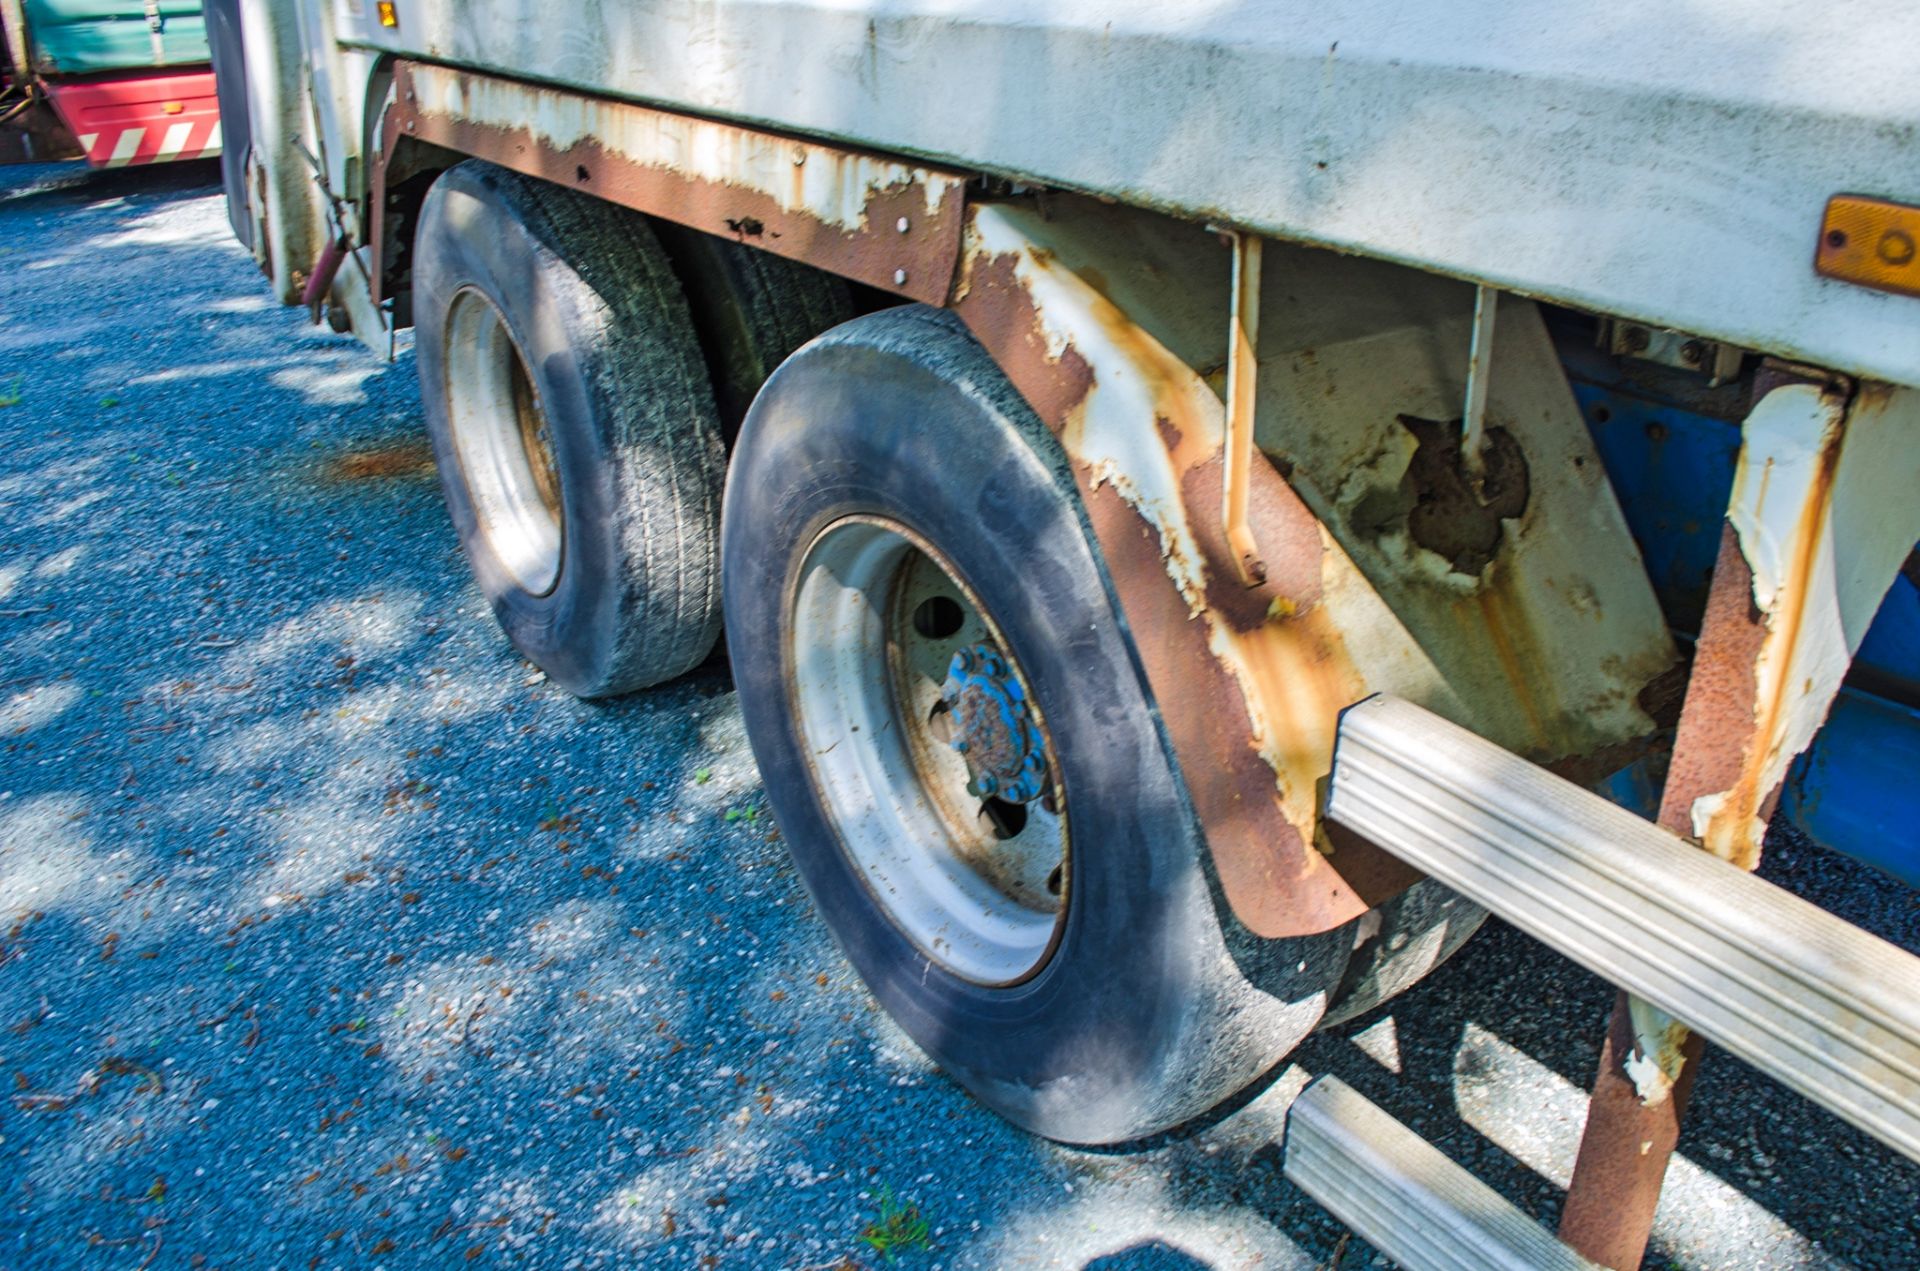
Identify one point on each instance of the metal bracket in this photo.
(1718, 362)
(156, 23)
(1243, 340)
(1473, 416)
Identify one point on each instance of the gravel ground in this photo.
(331, 934)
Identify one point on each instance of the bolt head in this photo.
(899, 277)
(903, 225)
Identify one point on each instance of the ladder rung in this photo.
(1402, 1196)
(1821, 1005)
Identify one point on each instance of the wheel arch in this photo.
(1114, 324)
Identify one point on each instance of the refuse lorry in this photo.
(116, 82)
(1204, 503)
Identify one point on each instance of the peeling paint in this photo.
(889, 224)
(1656, 1060)
(1824, 512)
(835, 186)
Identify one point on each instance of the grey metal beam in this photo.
(1824, 1007)
(1402, 1196)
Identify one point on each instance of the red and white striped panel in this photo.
(142, 119)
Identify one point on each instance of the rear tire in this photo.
(573, 425)
(1413, 934)
(889, 454)
(751, 310)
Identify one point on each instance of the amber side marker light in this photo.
(1870, 242)
(387, 16)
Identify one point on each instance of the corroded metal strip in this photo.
(879, 221)
(1821, 516)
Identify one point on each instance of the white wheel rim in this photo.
(984, 904)
(501, 438)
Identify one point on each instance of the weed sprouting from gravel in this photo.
(899, 1227)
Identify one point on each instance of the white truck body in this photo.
(1664, 165)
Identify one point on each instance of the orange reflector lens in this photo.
(172, 108)
(387, 16)
(1870, 242)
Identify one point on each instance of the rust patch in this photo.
(1624, 1149)
(1000, 313)
(917, 263)
(1732, 718)
(1729, 832)
(1288, 535)
(1275, 882)
(1448, 516)
(401, 461)
(1717, 722)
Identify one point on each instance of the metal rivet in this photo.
(903, 225)
(409, 125)
(899, 277)
(799, 157)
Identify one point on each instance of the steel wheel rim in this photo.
(503, 444)
(984, 904)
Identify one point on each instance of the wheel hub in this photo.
(994, 728)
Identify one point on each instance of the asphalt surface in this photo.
(331, 934)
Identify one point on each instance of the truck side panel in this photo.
(1599, 160)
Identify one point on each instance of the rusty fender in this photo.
(879, 221)
(1249, 680)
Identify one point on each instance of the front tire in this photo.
(885, 465)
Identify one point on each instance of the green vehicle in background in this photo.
(115, 82)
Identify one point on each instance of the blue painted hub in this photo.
(994, 727)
